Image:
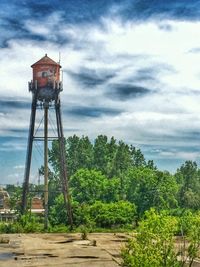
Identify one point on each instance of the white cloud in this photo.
(159, 118)
(180, 155)
(19, 167)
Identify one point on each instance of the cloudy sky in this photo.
(131, 70)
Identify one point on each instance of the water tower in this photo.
(45, 88)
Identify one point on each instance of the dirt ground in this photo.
(100, 250)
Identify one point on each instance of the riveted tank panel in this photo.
(46, 78)
(46, 75)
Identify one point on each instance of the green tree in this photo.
(112, 190)
(15, 193)
(150, 188)
(112, 214)
(122, 163)
(154, 243)
(101, 155)
(87, 186)
(79, 154)
(188, 178)
(138, 159)
(57, 212)
(122, 159)
(190, 228)
(112, 150)
(54, 186)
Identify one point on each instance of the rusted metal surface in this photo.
(46, 72)
(29, 152)
(63, 165)
(46, 169)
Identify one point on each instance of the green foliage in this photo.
(26, 224)
(107, 156)
(30, 223)
(58, 216)
(98, 214)
(84, 232)
(190, 227)
(57, 212)
(101, 153)
(193, 237)
(79, 153)
(138, 158)
(188, 178)
(87, 186)
(9, 228)
(112, 214)
(150, 188)
(154, 243)
(61, 228)
(15, 193)
(106, 178)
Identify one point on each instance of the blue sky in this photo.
(130, 69)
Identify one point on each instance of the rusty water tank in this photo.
(46, 78)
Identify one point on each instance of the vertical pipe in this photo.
(46, 165)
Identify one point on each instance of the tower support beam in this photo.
(63, 165)
(46, 170)
(29, 153)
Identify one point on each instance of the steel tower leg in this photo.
(46, 170)
(29, 153)
(63, 166)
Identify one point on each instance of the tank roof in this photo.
(45, 61)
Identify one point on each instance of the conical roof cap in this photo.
(45, 61)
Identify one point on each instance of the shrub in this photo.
(154, 243)
(112, 214)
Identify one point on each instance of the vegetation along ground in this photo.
(114, 189)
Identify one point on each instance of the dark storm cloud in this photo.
(86, 10)
(91, 78)
(184, 136)
(145, 74)
(20, 132)
(15, 14)
(93, 112)
(73, 130)
(12, 23)
(188, 135)
(126, 91)
(179, 9)
(16, 28)
(150, 73)
(41, 8)
(73, 11)
(7, 104)
(24, 132)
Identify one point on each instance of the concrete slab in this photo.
(31, 250)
